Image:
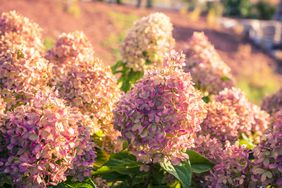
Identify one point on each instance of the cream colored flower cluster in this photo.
(147, 41)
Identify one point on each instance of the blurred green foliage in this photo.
(245, 9)
(258, 86)
(48, 43)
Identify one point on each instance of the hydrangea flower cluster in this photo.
(273, 103)
(16, 30)
(43, 141)
(208, 70)
(251, 119)
(268, 156)
(231, 169)
(209, 147)
(23, 70)
(160, 116)
(231, 114)
(71, 48)
(147, 41)
(84, 82)
(222, 123)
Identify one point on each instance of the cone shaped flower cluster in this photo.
(160, 116)
(208, 70)
(251, 119)
(147, 41)
(268, 156)
(71, 48)
(43, 141)
(16, 30)
(22, 69)
(273, 103)
(84, 82)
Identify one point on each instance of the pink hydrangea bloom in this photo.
(273, 103)
(222, 122)
(84, 82)
(231, 169)
(251, 118)
(208, 70)
(209, 147)
(160, 115)
(17, 30)
(267, 168)
(71, 48)
(43, 140)
(23, 69)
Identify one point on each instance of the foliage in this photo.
(122, 170)
(246, 9)
(128, 76)
(237, 8)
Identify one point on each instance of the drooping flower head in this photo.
(231, 169)
(43, 141)
(267, 170)
(92, 88)
(147, 41)
(273, 103)
(251, 118)
(160, 115)
(17, 30)
(208, 70)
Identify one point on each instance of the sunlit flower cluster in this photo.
(147, 41)
(268, 156)
(16, 30)
(71, 48)
(231, 169)
(23, 69)
(208, 70)
(43, 140)
(222, 122)
(160, 115)
(84, 82)
(251, 119)
(273, 103)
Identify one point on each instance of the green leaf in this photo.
(225, 78)
(102, 158)
(122, 163)
(116, 68)
(199, 163)
(206, 99)
(246, 141)
(182, 172)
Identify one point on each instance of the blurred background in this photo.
(246, 33)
